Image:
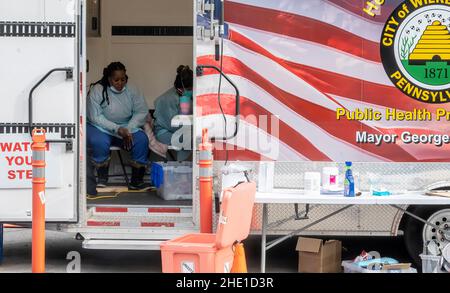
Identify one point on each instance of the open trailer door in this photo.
(40, 87)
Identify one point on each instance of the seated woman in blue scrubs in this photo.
(116, 113)
(167, 106)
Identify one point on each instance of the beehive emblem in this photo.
(434, 45)
(415, 50)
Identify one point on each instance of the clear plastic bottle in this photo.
(349, 182)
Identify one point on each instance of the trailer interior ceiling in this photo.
(151, 38)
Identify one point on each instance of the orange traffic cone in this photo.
(239, 262)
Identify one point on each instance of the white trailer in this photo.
(46, 47)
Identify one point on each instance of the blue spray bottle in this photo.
(349, 182)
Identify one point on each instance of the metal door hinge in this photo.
(215, 30)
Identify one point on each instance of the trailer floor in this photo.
(141, 198)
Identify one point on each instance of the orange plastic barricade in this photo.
(213, 253)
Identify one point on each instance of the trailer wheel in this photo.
(417, 233)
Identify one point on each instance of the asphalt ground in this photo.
(281, 259)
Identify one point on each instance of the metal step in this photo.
(131, 220)
(121, 244)
(118, 233)
(173, 211)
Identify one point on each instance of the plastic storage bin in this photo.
(173, 180)
(430, 264)
(213, 253)
(350, 268)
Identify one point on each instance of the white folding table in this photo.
(291, 196)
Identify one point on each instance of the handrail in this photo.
(69, 74)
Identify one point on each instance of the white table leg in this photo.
(263, 239)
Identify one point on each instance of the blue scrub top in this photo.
(126, 109)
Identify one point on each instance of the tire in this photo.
(414, 235)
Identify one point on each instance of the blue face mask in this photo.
(114, 90)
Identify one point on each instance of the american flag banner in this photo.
(297, 63)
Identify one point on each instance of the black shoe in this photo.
(102, 183)
(138, 186)
(137, 179)
(102, 174)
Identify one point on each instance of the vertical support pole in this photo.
(38, 225)
(264, 238)
(1, 243)
(206, 183)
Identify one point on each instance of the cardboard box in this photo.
(317, 256)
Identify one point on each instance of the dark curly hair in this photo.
(185, 77)
(107, 73)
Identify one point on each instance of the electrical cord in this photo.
(246, 176)
(92, 197)
(219, 99)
